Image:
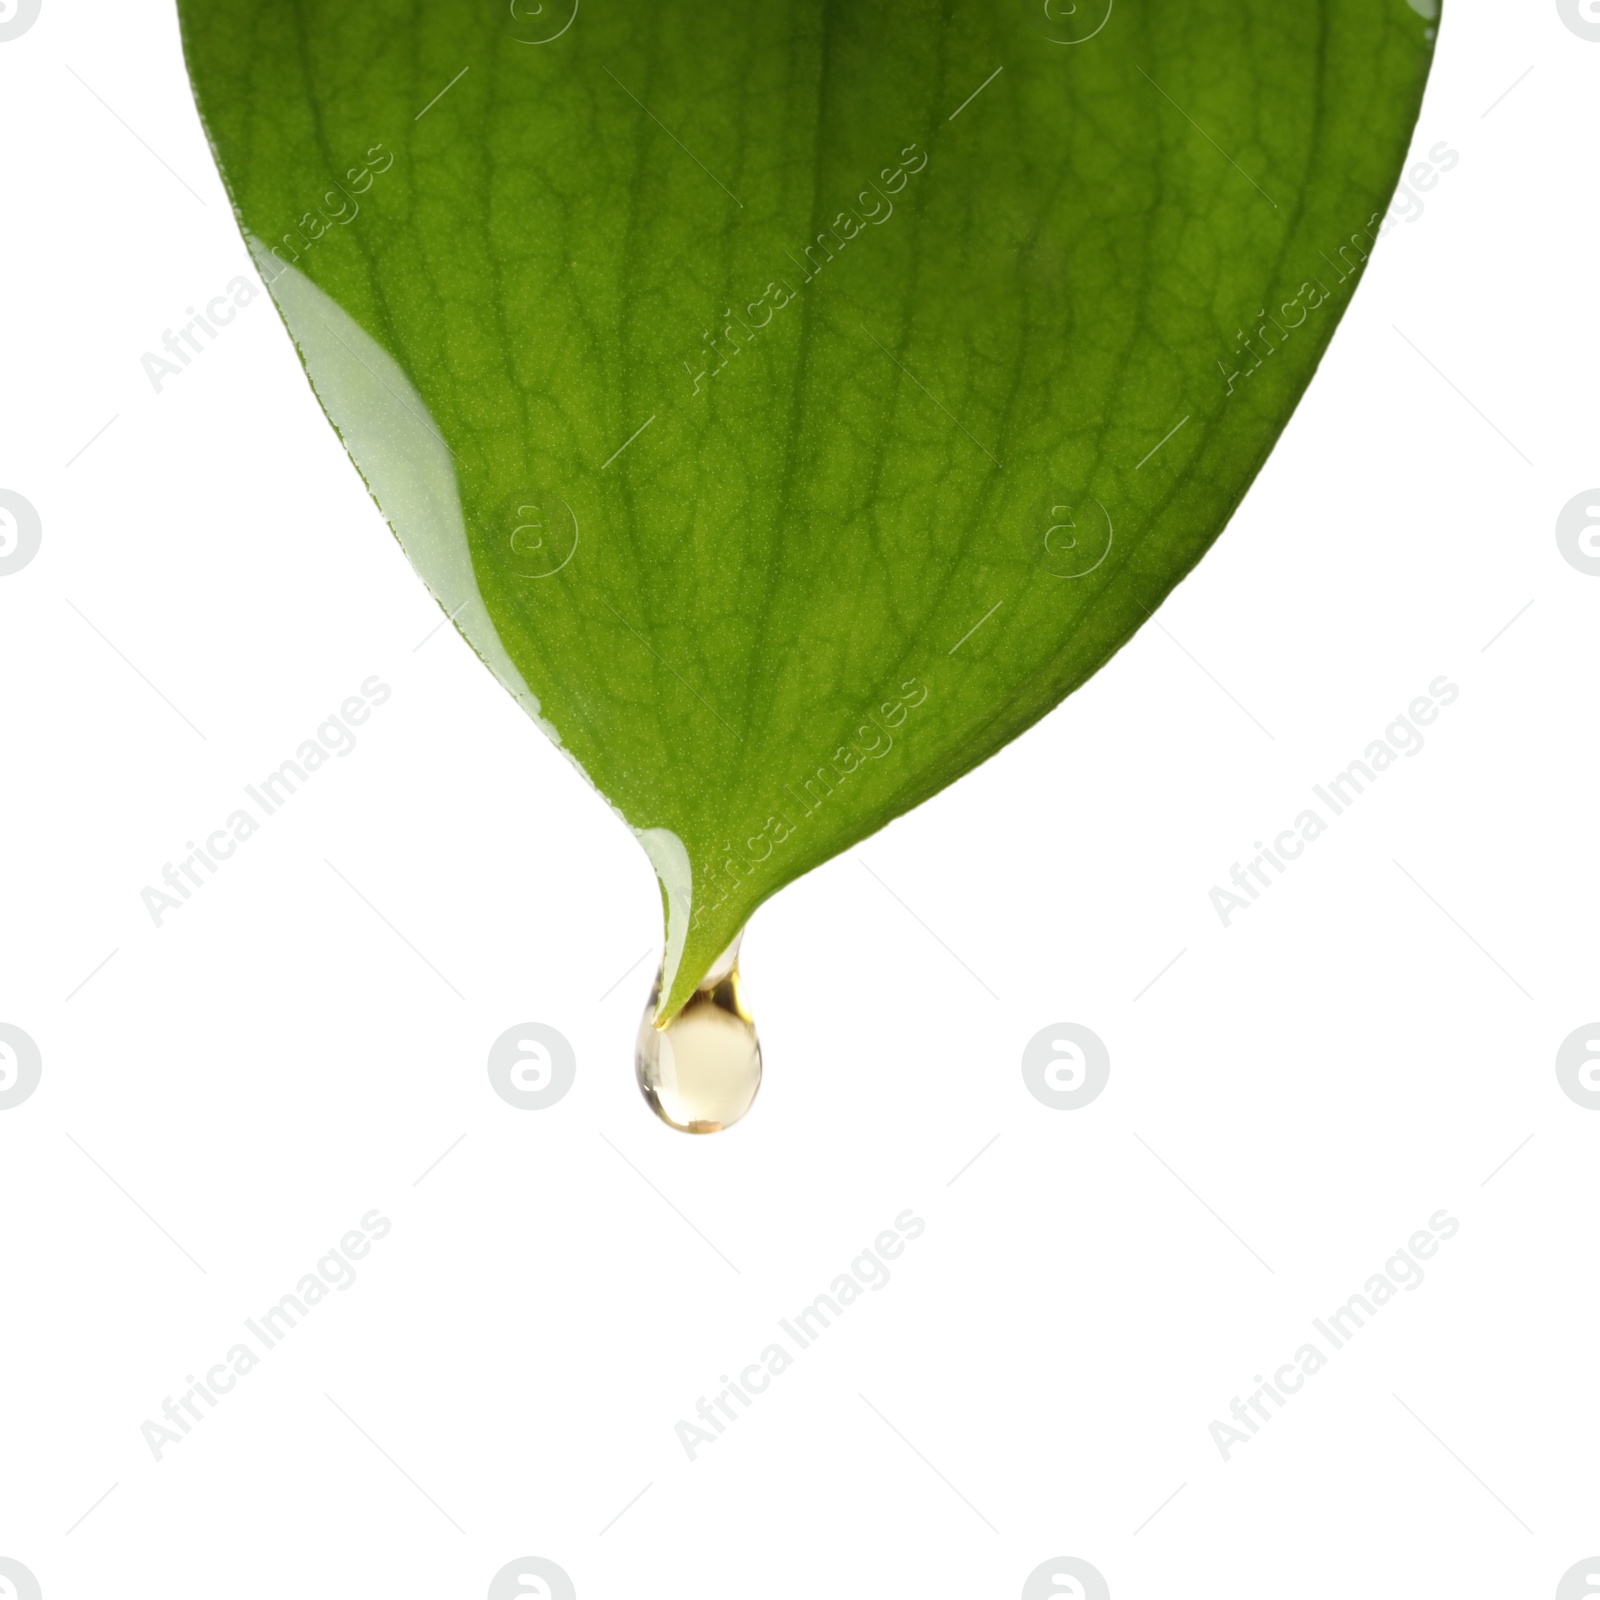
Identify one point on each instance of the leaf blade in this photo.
(986, 307)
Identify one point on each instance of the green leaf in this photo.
(775, 394)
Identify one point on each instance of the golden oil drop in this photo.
(701, 1072)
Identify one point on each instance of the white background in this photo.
(1290, 1100)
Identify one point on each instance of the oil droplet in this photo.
(701, 1072)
